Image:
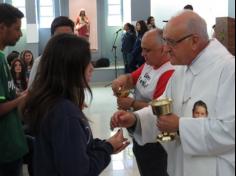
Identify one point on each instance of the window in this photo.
(46, 13)
(114, 13)
(126, 11)
(20, 4)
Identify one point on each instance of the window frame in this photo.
(22, 8)
(114, 19)
(46, 18)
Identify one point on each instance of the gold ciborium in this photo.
(163, 107)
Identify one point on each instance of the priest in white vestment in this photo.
(206, 71)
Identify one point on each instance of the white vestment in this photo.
(34, 71)
(206, 146)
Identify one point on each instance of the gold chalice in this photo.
(163, 107)
(122, 93)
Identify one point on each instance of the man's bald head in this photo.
(153, 48)
(153, 36)
(186, 36)
(189, 22)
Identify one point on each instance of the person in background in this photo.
(18, 72)
(82, 25)
(13, 144)
(128, 41)
(12, 56)
(151, 23)
(200, 109)
(64, 143)
(28, 59)
(188, 7)
(137, 58)
(61, 24)
(206, 71)
(149, 82)
(213, 31)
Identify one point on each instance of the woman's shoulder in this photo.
(66, 108)
(64, 112)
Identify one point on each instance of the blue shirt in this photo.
(65, 145)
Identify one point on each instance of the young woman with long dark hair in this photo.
(137, 59)
(151, 23)
(28, 59)
(64, 144)
(18, 73)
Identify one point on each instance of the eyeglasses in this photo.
(173, 43)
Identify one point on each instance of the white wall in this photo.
(90, 7)
(208, 9)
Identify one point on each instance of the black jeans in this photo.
(11, 169)
(28, 158)
(151, 159)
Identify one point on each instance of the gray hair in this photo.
(198, 26)
(195, 24)
(160, 39)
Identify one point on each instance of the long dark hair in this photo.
(200, 103)
(22, 76)
(149, 21)
(22, 55)
(61, 74)
(13, 55)
(143, 29)
(131, 28)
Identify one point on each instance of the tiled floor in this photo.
(100, 110)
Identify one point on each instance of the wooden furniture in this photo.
(225, 32)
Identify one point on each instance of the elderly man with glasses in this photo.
(206, 72)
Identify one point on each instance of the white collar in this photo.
(209, 55)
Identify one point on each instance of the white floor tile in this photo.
(99, 112)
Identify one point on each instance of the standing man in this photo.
(60, 25)
(149, 82)
(205, 146)
(12, 141)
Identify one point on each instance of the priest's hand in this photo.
(125, 103)
(168, 123)
(123, 119)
